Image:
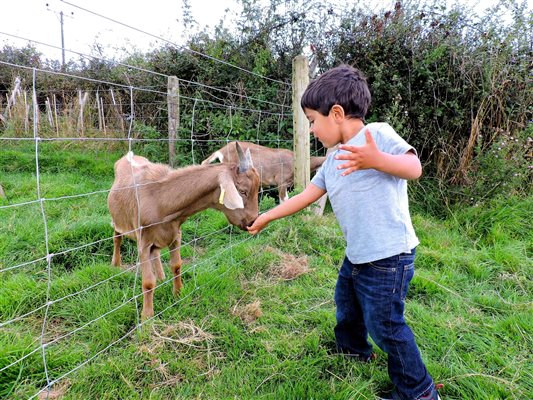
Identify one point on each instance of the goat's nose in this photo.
(251, 222)
(246, 224)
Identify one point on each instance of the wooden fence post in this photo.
(173, 102)
(300, 80)
(320, 204)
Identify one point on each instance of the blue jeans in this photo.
(370, 301)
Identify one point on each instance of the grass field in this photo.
(256, 316)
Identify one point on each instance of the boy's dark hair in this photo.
(343, 85)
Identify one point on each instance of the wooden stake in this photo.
(173, 104)
(302, 147)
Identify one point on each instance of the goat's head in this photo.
(239, 186)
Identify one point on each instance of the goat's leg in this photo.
(117, 241)
(148, 281)
(175, 264)
(155, 255)
(283, 193)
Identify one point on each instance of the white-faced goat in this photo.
(148, 203)
(275, 166)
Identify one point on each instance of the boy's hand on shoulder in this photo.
(359, 157)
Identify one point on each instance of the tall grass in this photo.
(255, 319)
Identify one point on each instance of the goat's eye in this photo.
(243, 192)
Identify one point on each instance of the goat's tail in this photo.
(131, 160)
(216, 155)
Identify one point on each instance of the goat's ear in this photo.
(248, 156)
(245, 159)
(229, 196)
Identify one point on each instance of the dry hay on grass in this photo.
(249, 312)
(202, 354)
(289, 267)
(168, 379)
(184, 332)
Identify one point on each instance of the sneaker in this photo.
(432, 395)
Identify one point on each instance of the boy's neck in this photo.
(351, 127)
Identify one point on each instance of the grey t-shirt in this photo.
(371, 207)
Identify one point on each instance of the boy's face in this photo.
(324, 128)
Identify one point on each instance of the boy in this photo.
(366, 180)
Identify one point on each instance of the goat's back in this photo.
(132, 167)
(316, 162)
(275, 166)
(122, 200)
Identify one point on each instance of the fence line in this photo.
(159, 92)
(45, 224)
(139, 69)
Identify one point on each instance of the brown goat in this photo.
(275, 166)
(148, 203)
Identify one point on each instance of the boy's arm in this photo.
(405, 166)
(311, 194)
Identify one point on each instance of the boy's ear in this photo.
(337, 112)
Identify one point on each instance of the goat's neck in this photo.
(185, 192)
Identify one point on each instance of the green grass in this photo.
(239, 330)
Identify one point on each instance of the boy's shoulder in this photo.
(380, 127)
(387, 139)
(381, 131)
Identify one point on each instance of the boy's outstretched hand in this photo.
(360, 157)
(261, 222)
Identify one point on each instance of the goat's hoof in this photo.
(146, 315)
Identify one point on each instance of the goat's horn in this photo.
(245, 161)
